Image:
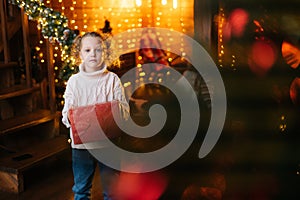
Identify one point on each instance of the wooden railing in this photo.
(29, 122)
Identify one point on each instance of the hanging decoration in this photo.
(51, 23)
(54, 26)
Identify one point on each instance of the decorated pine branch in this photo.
(53, 26)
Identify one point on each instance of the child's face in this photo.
(91, 53)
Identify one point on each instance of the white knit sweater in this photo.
(89, 88)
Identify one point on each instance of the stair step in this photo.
(12, 166)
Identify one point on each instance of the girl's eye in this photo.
(98, 50)
(87, 50)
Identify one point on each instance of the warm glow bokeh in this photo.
(295, 91)
(127, 16)
(262, 56)
(238, 20)
(137, 186)
(89, 15)
(235, 24)
(291, 54)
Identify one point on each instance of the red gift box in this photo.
(93, 123)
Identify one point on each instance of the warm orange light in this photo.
(238, 20)
(136, 186)
(175, 4)
(262, 56)
(295, 91)
(291, 54)
(138, 2)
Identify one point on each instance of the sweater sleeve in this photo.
(69, 101)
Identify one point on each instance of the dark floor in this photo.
(53, 181)
(45, 182)
(251, 161)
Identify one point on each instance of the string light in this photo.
(145, 13)
(221, 18)
(138, 2)
(175, 4)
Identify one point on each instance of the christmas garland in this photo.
(54, 26)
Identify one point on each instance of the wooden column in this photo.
(51, 81)
(5, 40)
(27, 54)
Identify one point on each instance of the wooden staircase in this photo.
(13, 24)
(29, 122)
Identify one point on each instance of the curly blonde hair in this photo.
(110, 58)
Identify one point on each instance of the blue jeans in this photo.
(84, 165)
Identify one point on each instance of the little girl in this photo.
(92, 84)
